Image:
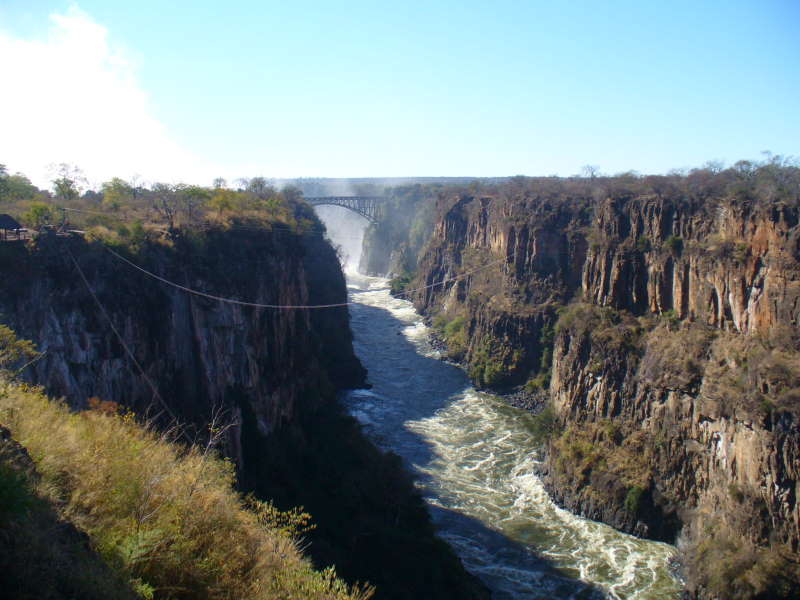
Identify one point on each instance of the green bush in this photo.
(633, 499)
(454, 333)
(454, 327)
(540, 382)
(486, 367)
(674, 244)
(398, 285)
(15, 493)
(545, 425)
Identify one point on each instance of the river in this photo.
(475, 462)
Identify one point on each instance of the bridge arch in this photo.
(367, 206)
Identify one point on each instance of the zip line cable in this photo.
(220, 298)
(461, 275)
(125, 346)
(285, 229)
(89, 212)
(284, 306)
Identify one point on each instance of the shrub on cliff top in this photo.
(610, 329)
(164, 516)
(723, 565)
(676, 359)
(754, 374)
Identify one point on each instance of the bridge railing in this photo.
(366, 206)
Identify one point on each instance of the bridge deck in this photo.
(366, 206)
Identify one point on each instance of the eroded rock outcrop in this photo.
(660, 317)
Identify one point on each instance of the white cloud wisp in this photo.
(74, 98)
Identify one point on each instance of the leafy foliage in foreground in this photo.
(164, 517)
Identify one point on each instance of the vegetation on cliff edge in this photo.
(163, 517)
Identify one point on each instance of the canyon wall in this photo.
(654, 323)
(392, 245)
(197, 353)
(271, 374)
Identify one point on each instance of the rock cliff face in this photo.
(662, 326)
(271, 373)
(729, 264)
(392, 245)
(515, 263)
(199, 354)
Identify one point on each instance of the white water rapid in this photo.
(473, 458)
(474, 461)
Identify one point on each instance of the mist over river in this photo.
(474, 461)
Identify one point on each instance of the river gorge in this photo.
(475, 461)
(475, 464)
(648, 331)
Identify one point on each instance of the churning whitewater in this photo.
(475, 465)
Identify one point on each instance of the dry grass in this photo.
(590, 448)
(610, 330)
(724, 565)
(675, 356)
(755, 374)
(165, 516)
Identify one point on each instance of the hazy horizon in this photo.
(190, 92)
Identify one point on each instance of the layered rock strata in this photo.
(663, 328)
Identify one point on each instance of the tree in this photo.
(590, 171)
(714, 166)
(223, 200)
(260, 187)
(292, 193)
(190, 197)
(165, 202)
(116, 193)
(16, 187)
(220, 183)
(3, 182)
(69, 183)
(38, 214)
(137, 186)
(13, 350)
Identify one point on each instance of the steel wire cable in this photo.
(285, 306)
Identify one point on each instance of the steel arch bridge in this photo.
(368, 207)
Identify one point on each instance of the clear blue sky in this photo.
(457, 88)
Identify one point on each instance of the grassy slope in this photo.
(164, 518)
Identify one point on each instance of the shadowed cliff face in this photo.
(674, 378)
(199, 353)
(272, 373)
(392, 244)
